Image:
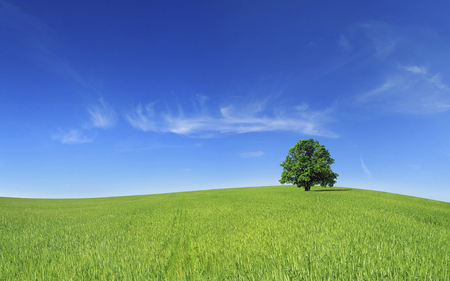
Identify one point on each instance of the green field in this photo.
(259, 233)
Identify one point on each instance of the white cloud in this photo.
(72, 137)
(251, 154)
(415, 69)
(103, 115)
(437, 82)
(143, 118)
(361, 43)
(232, 119)
(410, 89)
(365, 170)
(387, 85)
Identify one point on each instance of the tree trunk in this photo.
(307, 188)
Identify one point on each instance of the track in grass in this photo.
(260, 233)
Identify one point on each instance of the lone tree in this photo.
(308, 164)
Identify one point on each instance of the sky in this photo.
(111, 98)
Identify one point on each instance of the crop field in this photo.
(259, 233)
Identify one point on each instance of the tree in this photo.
(308, 164)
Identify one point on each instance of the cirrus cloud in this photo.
(231, 119)
(410, 89)
(102, 115)
(365, 169)
(72, 137)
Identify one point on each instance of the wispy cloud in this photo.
(363, 43)
(103, 115)
(386, 86)
(365, 170)
(436, 81)
(410, 89)
(231, 119)
(143, 118)
(37, 41)
(251, 154)
(415, 69)
(72, 137)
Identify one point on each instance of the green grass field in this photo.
(260, 233)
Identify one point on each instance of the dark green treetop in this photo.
(308, 164)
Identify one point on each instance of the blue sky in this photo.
(106, 98)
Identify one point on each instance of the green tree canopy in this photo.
(308, 164)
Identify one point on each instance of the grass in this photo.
(261, 233)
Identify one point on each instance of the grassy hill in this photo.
(260, 233)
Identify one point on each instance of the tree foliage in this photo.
(308, 164)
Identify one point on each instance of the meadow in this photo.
(259, 233)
